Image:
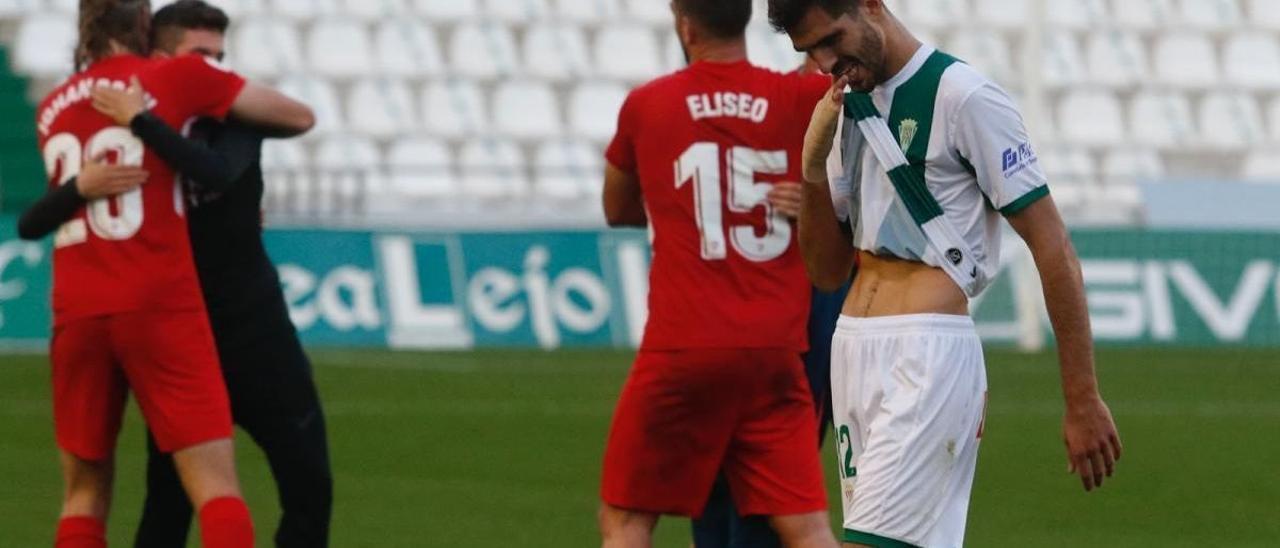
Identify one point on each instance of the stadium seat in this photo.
(593, 110)
(1265, 14)
(493, 169)
(284, 164)
(1077, 16)
(556, 52)
(339, 49)
(1129, 165)
(771, 50)
(448, 10)
(44, 44)
(381, 108)
(267, 48)
(1252, 61)
(988, 52)
(1067, 165)
(627, 52)
(1003, 14)
(10, 8)
(1162, 119)
(588, 11)
(422, 168)
(516, 11)
(1185, 61)
(1273, 119)
(323, 99)
(672, 52)
(1143, 15)
(407, 48)
(1262, 166)
(483, 51)
(651, 12)
(454, 108)
(1231, 121)
(934, 14)
(374, 10)
(303, 10)
(1117, 59)
(1211, 15)
(1062, 65)
(526, 110)
(1091, 118)
(349, 172)
(568, 170)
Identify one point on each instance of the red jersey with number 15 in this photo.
(129, 252)
(707, 143)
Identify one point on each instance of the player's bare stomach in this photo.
(886, 286)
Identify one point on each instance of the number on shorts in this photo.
(845, 440)
(701, 164)
(64, 155)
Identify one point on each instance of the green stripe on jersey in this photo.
(1026, 200)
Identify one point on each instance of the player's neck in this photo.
(900, 47)
(731, 51)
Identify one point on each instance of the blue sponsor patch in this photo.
(1017, 159)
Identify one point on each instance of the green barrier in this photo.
(588, 288)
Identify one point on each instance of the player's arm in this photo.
(825, 243)
(1093, 444)
(275, 113)
(990, 134)
(96, 179)
(211, 167)
(623, 200)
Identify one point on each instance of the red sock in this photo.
(81, 532)
(225, 523)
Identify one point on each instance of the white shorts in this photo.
(909, 396)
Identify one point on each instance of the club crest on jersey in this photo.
(907, 133)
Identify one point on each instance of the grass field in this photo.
(503, 448)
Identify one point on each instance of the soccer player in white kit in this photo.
(908, 378)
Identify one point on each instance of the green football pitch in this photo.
(499, 448)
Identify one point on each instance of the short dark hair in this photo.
(104, 21)
(724, 19)
(784, 15)
(169, 22)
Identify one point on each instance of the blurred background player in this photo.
(908, 378)
(128, 312)
(269, 382)
(718, 383)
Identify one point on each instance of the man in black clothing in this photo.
(273, 396)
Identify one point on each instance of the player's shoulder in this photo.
(961, 83)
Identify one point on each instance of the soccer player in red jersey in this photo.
(127, 305)
(718, 383)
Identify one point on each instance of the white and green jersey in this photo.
(965, 136)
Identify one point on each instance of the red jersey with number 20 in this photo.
(707, 143)
(129, 252)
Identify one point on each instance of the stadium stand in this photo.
(456, 102)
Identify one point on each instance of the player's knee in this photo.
(804, 530)
(88, 486)
(208, 471)
(623, 528)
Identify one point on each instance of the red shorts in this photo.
(684, 416)
(169, 361)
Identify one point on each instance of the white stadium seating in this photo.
(460, 101)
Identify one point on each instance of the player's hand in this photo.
(1093, 444)
(785, 198)
(838, 86)
(120, 105)
(98, 179)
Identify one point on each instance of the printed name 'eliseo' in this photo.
(728, 104)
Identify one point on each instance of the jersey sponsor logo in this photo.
(955, 256)
(907, 133)
(727, 104)
(1016, 159)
